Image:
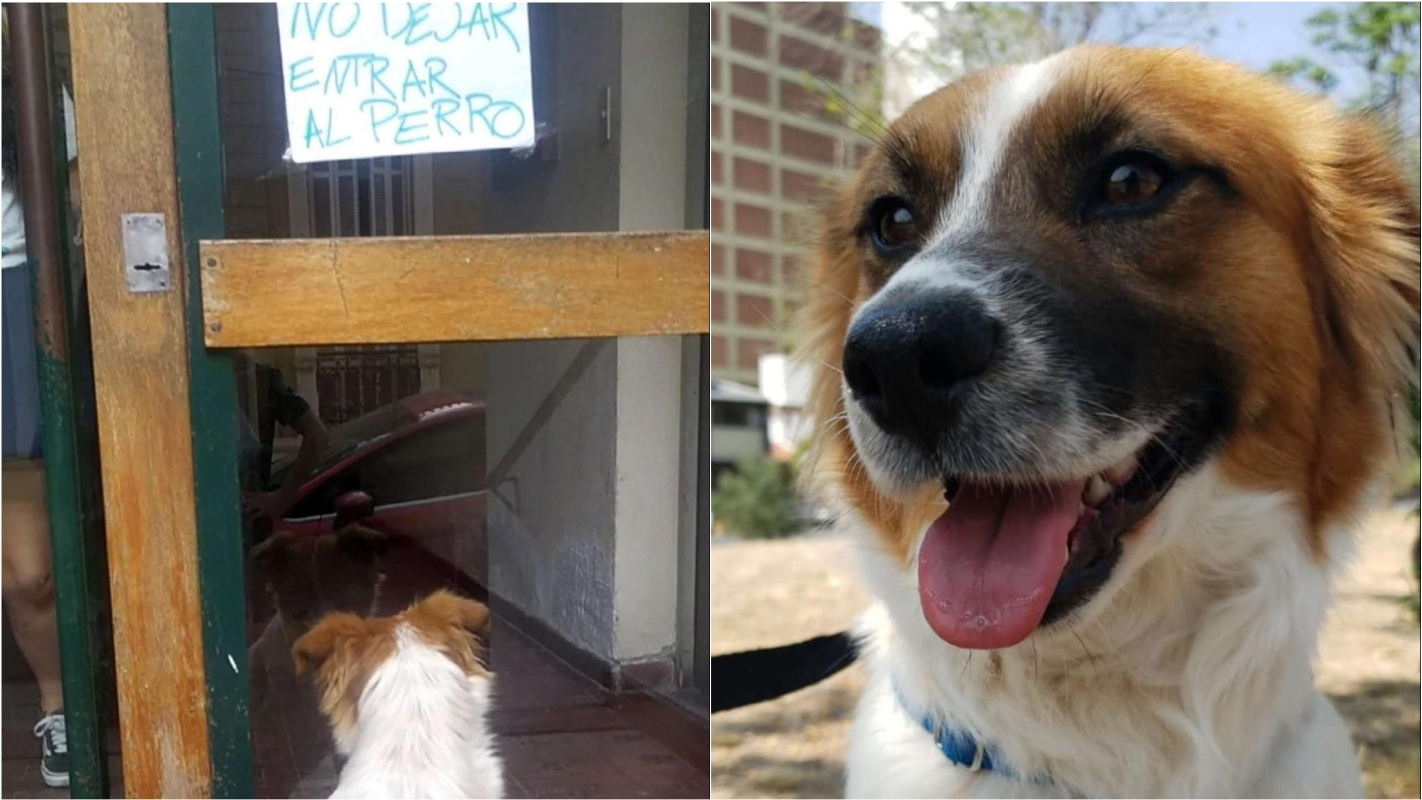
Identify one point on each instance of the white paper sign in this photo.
(381, 79)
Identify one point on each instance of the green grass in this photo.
(1409, 478)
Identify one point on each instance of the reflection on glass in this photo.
(390, 509)
(370, 489)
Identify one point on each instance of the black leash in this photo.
(754, 676)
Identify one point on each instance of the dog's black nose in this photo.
(903, 360)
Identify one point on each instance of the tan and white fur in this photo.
(1194, 680)
(1188, 673)
(408, 698)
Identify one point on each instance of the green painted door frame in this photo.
(197, 138)
(70, 445)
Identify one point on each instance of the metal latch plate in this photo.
(145, 253)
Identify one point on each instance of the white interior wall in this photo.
(552, 525)
(551, 552)
(588, 534)
(649, 389)
(652, 170)
(648, 496)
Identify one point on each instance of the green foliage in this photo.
(1414, 407)
(953, 39)
(758, 499)
(1380, 38)
(1309, 70)
(969, 36)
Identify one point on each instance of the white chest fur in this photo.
(421, 731)
(1188, 675)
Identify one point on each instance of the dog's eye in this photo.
(1132, 183)
(893, 225)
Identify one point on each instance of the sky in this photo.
(1254, 34)
(1258, 34)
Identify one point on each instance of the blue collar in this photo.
(962, 749)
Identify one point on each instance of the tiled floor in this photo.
(561, 736)
(19, 751)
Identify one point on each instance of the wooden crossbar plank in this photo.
(454, 288)
(120, 54)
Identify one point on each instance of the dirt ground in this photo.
(768, 593)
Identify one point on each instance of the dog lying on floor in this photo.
(1110, 349)
(407, 698)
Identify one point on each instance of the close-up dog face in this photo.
(1053, 290)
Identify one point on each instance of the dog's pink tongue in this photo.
(989, 565)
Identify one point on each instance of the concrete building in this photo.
(774, 146)
(752, 421)
(785, 384)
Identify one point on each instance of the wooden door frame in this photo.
(165, 381)
(142, 383)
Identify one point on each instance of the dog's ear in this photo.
(1362, 268)
(455, 611)
(475, 617)
(358, 540)
(1366, 230)
(332, 633)
(457, 626)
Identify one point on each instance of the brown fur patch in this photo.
(344, 650)
(454, 625)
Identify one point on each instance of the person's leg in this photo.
(28, 584)
(28, 587)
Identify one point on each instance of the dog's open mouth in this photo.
(1010, 555)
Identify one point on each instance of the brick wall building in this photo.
(774, 147)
